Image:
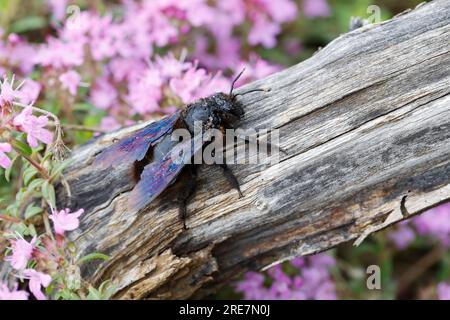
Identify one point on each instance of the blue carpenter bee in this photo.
(151, 149)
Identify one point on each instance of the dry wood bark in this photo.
(366, 123)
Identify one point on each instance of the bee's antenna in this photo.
(235, 80)
(250, 91)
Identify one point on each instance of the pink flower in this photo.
(58, 8)
(443, 291)
(170, 66)
(402, 236)
(70, 80)
(435, 223)
(36, 281)
(145, 92)
(18, 54)
(281, 10)
(312, 282)
(109, 124)
(186, 86)
(59, 54)
(4, 160)
(264, 32)
(7, 93)
(316, 8)
(14, 294)
(65, 221)
(103, 95)
(34, 127)
(21, 253)
(29, 91)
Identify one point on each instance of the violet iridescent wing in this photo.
(157, 176)
(135, 147)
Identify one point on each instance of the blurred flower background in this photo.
(88, 67)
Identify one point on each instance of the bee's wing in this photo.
(134, 147)
(157, 176)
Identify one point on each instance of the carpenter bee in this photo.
(152, 148)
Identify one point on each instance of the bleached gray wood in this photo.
(366, 123)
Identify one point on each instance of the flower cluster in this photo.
(434, 224)
(130, 79)
(110, 68)
(46, 254)
(152, 57)
(306, 279)
(20, 122)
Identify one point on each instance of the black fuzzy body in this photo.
(151, 149)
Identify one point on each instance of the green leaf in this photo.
(9, 169)
(58, 169)
(35, 184)
(21, 147)
(31, 211)
(46, 157)
(28, 174)
(48, 192)
(83, 106)
(32, 230)
(93, 256)
(107, 289)
(94, 294)
(29, 23)
(20, 228)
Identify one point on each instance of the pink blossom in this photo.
(264, 32)
(7, 93)
(13, 294)
(59, 54)
(443, 291)
(58, 8)
(227, 54)
(5, 162)
(402, 236)
(163, 31)
(21, 253)
(186, 85)
(126, 69)
(211, 85)
(171, 67)
(316, 8)
(103, 94)
(36, 281)
(65, 221)
(145, 93)
(281, 10)
(109, 124)
(19, 53)
(312, 282)
(34, 127)
(255, 68)
(101, 41)
(435, 223)
(252, 286)
(29, 91)
(70, 80)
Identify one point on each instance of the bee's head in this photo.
(227, 107)
(218, 110)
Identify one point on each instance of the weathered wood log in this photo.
(366, 124)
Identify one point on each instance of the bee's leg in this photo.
(231, 178)
(187, 193)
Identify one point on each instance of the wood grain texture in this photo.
(366, 124)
